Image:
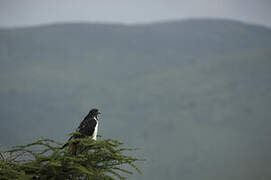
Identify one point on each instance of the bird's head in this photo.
(94, 112)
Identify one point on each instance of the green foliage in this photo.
(46, 159)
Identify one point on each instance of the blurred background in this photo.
(186, 82)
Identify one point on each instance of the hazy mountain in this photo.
(193, 95)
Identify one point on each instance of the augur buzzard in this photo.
(87, 128)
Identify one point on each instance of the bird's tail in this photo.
(65, 145)
(73, 148)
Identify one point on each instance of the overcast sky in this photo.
(30, 12)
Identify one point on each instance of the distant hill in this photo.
(194, 96)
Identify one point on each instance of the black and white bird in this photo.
(87, 128)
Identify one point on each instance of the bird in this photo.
(87, 128)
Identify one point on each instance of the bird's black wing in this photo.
(87, 126)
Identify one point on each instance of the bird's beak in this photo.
(99, 112)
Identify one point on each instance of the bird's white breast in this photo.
(94, 137)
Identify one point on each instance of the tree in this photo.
(45, 159)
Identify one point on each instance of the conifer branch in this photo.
(45, 159)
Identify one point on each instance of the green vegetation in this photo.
(45, 159)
